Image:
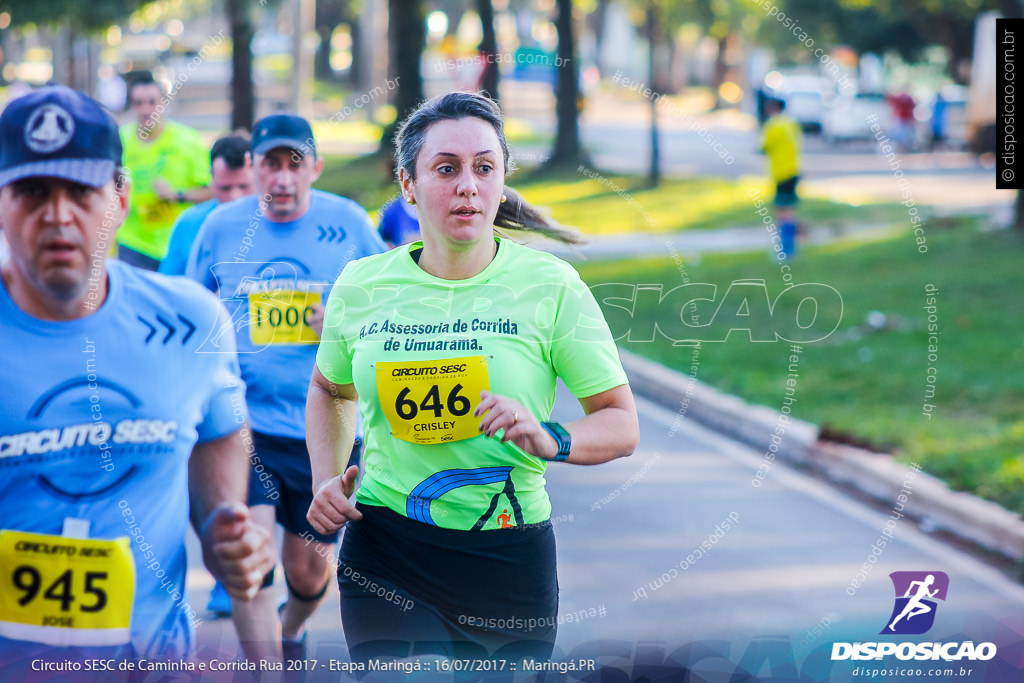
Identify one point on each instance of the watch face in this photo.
(561, 435)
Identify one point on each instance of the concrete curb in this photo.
(877, 475)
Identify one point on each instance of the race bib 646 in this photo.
(431, 401)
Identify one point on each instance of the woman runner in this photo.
(452, 347)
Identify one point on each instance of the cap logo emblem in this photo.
(48, 129)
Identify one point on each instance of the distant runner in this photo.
(780, 142)
(167, 164)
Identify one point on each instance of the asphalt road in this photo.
(769, 593)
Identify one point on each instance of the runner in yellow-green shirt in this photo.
(780, 142)
(452, 347)
(167, 164)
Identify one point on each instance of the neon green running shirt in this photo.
(420, 348)
(177, 156)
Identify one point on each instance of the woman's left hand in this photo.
(521, 427)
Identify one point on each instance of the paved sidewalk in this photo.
(690, 242)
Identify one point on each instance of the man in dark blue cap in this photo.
(273, 258)
(115, 423)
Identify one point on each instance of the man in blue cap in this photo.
(118, 419)
(273, 258)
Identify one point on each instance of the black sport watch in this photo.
(559, 433)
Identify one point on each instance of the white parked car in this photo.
(851, 117)
(807, 99)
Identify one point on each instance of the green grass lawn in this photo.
(869, 381)
(599, 203)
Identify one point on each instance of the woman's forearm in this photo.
(330, 428)
(603, 435)
(610, 430)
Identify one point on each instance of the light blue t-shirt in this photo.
(399, 223)
(268, 275)
(98, 418)
(183, 234)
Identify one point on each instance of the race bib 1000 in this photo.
(282, 317)
(430, 402)
(65, 591)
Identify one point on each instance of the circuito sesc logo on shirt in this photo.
(916, 594)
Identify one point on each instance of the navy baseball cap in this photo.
(283, 130)
(59, 132)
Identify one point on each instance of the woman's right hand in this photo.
(332, 507)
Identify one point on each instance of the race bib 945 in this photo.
(430, 402)
(65, 591)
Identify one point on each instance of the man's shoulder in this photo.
(198, 212)
(244, 207)
(781, 125)
(383, 267)
(179, 131)
(333, 202)
(788, 122)
(129, 137)
(185, 301)
(534, 263)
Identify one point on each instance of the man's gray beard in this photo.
(63, 287)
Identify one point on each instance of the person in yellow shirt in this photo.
(167, 163)
(780, 142)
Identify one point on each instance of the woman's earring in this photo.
(504, 199)
(411, 201)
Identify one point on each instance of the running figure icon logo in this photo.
(916, 593)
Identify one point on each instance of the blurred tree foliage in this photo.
(85, 17)
(879, 26)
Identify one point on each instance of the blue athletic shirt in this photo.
(98, 418)
(399, 223)
(269, 275)
(183, 234)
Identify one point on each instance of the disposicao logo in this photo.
(913, 614)
(916, 593)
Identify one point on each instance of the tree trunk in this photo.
(488, 49)
(720, 68)
(58, 36)
(670, 78)
(454, 19)
(567, 136)
(356, 31)
(322, 69)
(1012, 10)
(654, 171)
(597, 23)
(7, 50)
(407, 35)
(242, 97)
(72, 39)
